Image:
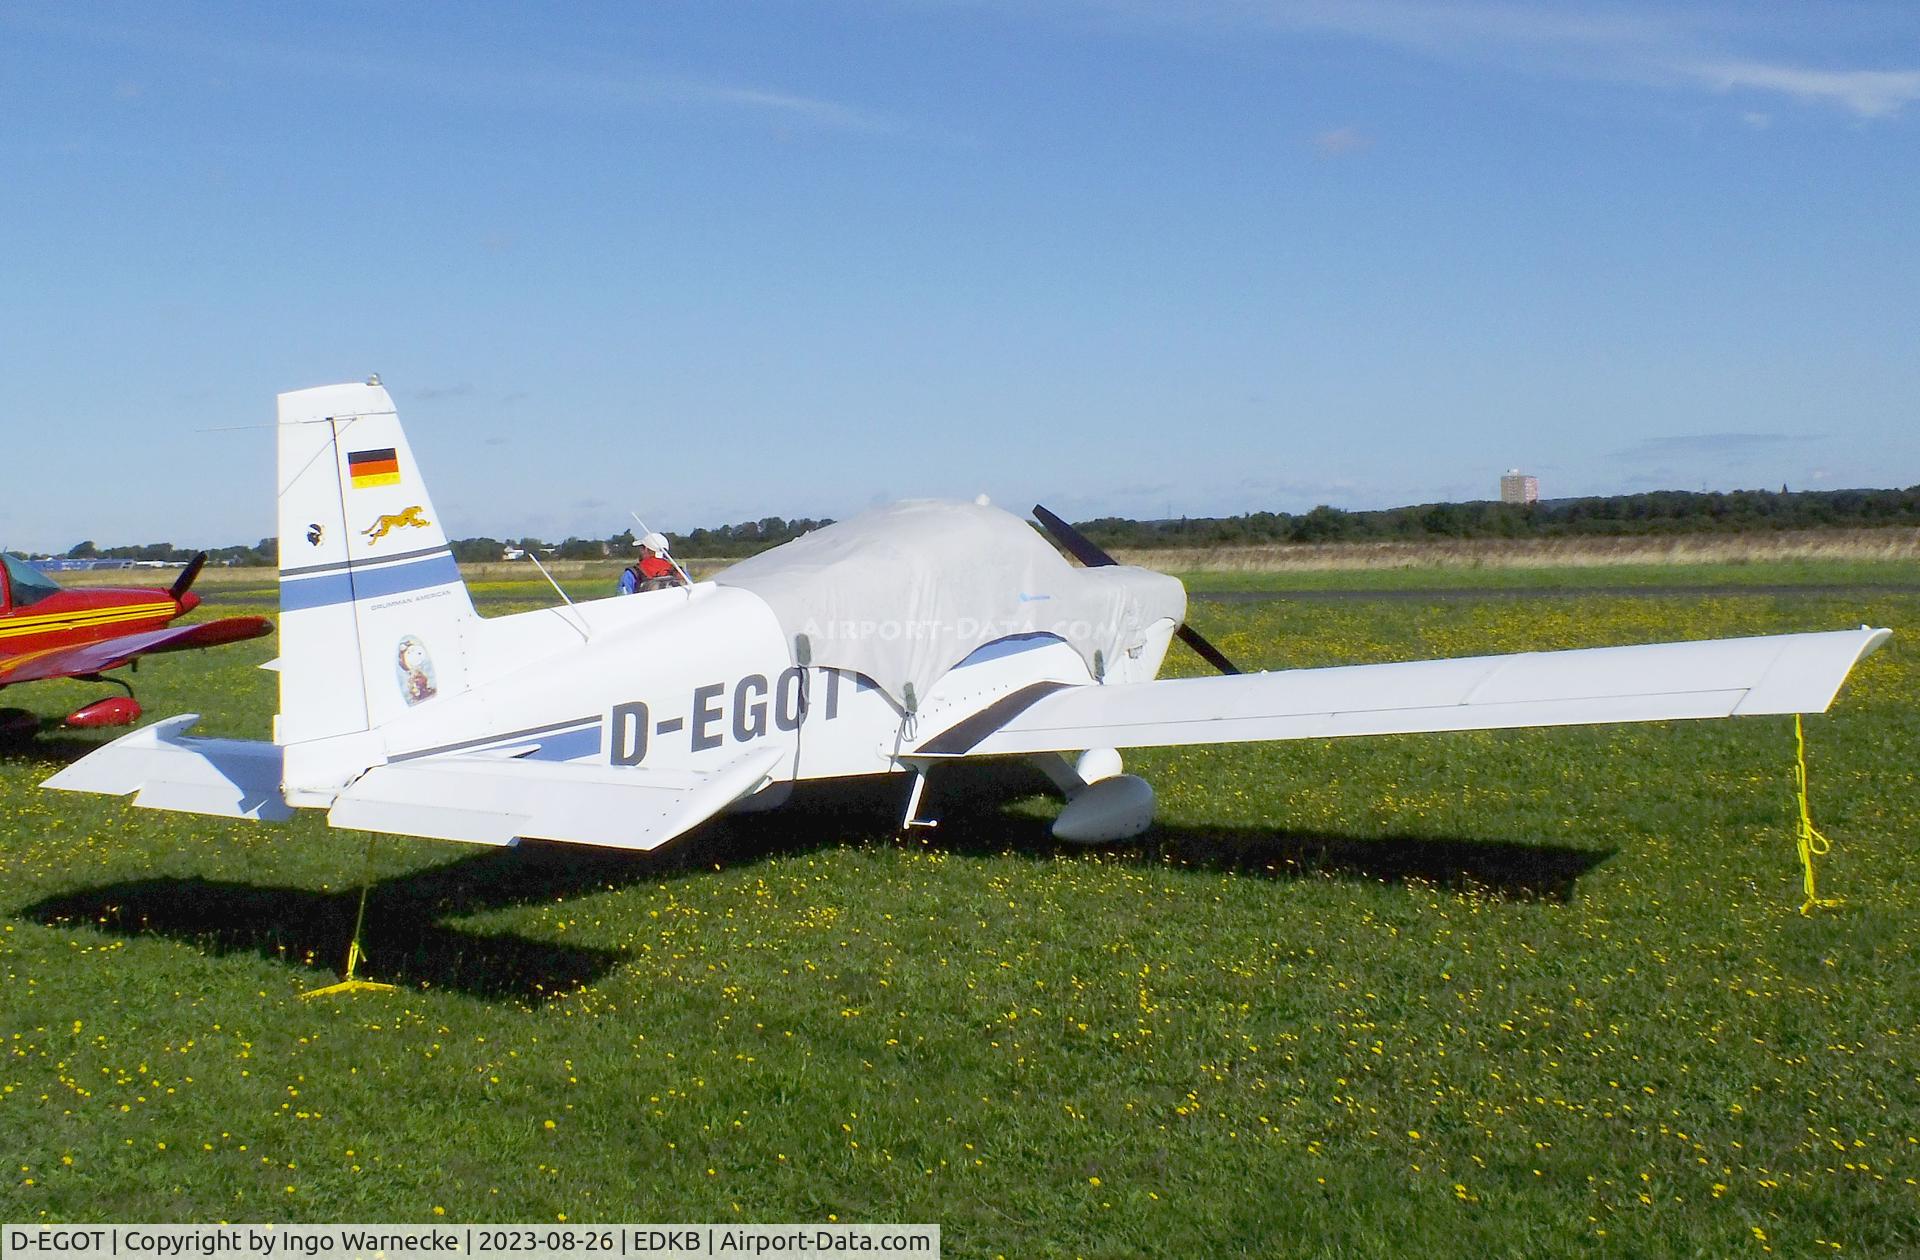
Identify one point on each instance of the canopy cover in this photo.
(904, 593)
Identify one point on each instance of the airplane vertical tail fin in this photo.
(374, 616)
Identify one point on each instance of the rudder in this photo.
(374, 616)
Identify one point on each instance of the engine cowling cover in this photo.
(1118, 808)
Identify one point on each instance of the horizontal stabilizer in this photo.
(1788, 673)
(493, 800)
(231, 778)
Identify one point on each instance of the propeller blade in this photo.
(1078, 545)
(1082, 548)
(182, 583)
(1208, 653)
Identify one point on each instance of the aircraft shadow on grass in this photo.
(978, 822)
(410, 937)
(48, 748)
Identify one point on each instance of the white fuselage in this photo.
(689, 679)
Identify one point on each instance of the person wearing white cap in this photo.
(651, 570)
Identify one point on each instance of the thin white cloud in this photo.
(533, 84)
(805, 108)
(1681, 46)
(1342, 141)
(1453, 27)
(642, 87)
(1867, 93)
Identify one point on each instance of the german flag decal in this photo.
(373, 468)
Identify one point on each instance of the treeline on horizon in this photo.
(1621, 515)
(262, 552)
(727, 541)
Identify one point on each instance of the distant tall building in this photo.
(1518, 487)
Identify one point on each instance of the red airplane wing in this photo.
(92, 658)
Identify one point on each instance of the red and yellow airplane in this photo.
(47, 631)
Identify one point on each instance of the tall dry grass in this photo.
(1530, 553)
(1473, 553)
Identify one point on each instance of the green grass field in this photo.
(1501, 994)
(1759, 574)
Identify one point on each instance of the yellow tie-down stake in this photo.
(348, 982)
(1806, 836)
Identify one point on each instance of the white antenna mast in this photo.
(574, 620)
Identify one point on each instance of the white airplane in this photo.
(912, 636)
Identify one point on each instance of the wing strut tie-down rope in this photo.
(1811, 843)
(348, 982)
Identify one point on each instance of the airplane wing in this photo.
(1789, 673)
(92, 658)
(483, 798)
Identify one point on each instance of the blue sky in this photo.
(716, 261)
